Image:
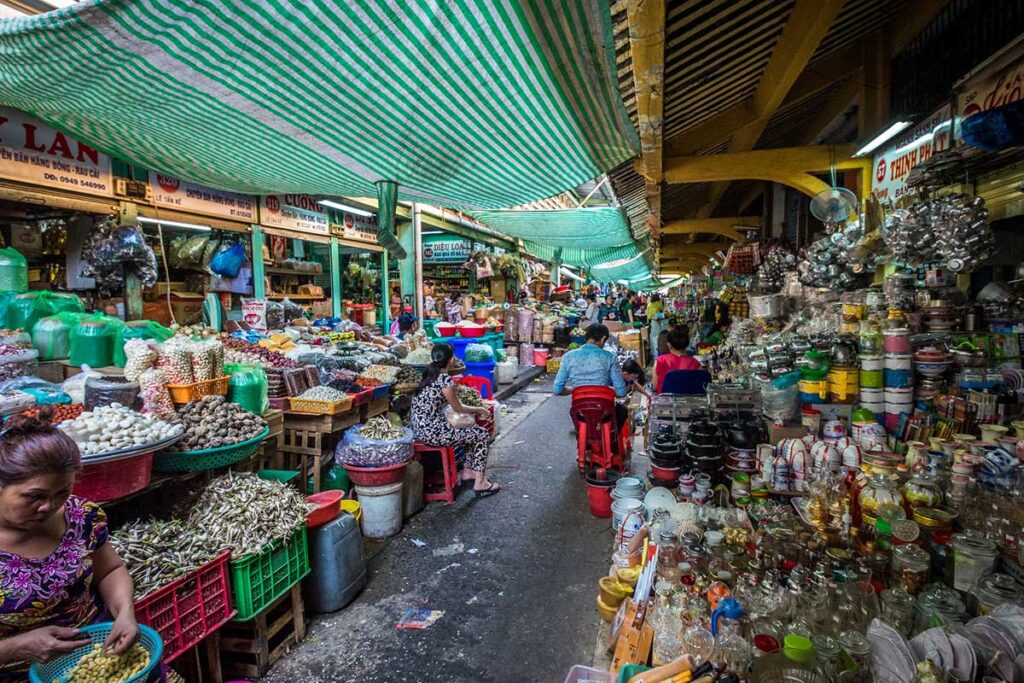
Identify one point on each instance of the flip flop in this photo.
(489, 491)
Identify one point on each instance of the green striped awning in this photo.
(586, 258)
(583, 228)
(465, 103)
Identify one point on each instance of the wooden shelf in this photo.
(289, 271)
(298, 297)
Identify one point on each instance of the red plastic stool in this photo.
(444, 482)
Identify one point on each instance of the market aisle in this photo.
(515, 575)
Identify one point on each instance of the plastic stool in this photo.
(481, 384)
(447, 480)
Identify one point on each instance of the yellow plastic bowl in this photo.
(612, 592)
(607, 611)
(353, 508)
(627, 575)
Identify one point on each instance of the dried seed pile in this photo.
(242, 512)
(322, 393)
(98, 666)
(408, 376)
(157, 552)
(380, 429)
(384, 374)
(214, 422)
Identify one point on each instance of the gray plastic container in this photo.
(338, 565)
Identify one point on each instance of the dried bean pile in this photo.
(214, 422)
(322, 393)
(346, 385)
(100, 666)
(61, 412)
(408, 376)
(380, 429)
(385, 374)
(368, 382)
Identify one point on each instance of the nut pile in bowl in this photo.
(115, 427)
(214, 422)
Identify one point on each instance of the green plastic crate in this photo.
(258, 580)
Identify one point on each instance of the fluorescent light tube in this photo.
(883, 137)
(175, 224)
(344, 207)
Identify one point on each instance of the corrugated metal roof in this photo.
(857, 19)
(789, 123)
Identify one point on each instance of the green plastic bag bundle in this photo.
(138, 329)
(248, 387)
(13, 271)
(92, 342)
(6, 298)
(29, 308)
(51, 336)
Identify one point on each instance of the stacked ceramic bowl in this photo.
(704, 447)
(742, 439)
(666, 458)
(941, 315)
(627, 496)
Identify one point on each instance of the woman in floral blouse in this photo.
(57, 571)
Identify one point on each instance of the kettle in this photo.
(727, 616)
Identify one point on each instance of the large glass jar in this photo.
(878, 497)
(923, 490)
(898, 610)
(996, 589)
(973, 556)
(911, 568)
(938, 606)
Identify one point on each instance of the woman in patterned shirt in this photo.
(57, 571)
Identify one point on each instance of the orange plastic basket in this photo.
(186, 393)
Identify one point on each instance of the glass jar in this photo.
(923, 491)
(857, 651)
(996, 589)
(829, 655)
(938, 606)
(668, 552)
(898, 610)
(973, 556)
(911, 568)
(878, 496)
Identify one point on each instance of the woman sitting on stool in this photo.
(430, 426)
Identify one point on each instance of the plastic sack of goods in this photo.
(377, 443)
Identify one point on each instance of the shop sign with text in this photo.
(32, 152)
(993, 90)
(358, 228)
(298, 212)
(443, 249)
(191, 198)
(893, 165)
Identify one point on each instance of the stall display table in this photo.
(375, 407)
(309, 440)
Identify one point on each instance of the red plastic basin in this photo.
(446, 329)
(328, 507)
(472, 332)
(106, 481)
(376, 476)
(666, 472)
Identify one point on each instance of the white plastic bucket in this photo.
(382, 509)
(506, 372)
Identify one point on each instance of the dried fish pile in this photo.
(380, 429)
(469, 396)
(244, 513)
(157, 552)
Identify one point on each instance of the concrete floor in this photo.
(515, 575)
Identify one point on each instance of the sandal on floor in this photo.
(489, 491)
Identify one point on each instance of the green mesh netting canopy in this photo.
(463, 103)
(583, 228)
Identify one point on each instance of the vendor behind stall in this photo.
(57, 570)
(592, 366)
(677, 357)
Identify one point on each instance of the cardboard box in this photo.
(790, 431)
(186, 306)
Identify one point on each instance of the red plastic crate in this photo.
(190, 608)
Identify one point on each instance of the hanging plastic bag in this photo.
(138, 329)
(229, 260)
(29, 308)
(212, 247)
(174, 248)
(248, 387)
(291, 311)
(191, 252)
(51, 336)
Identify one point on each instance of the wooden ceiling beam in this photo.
(806, 28)
(755, 191)
(646, 19)
(672, 250)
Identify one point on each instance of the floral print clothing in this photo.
(430, 426)
(56, 590)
